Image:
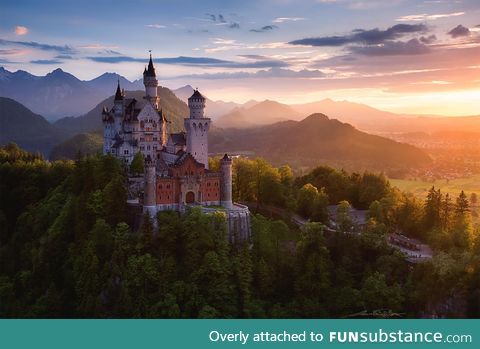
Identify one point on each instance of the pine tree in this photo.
(446, 212)
(244, 280)
(433, 208)
(462, 205)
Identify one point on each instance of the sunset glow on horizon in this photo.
(414, 56)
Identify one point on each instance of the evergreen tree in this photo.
(446, 212)
(432, 208)
(462, 206)
(115, 201)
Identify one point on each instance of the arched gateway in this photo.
(190, 197)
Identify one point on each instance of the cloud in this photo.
(459, 31)
(428, 39)
(268, 73)
(425, 17)
(45, 47)
(361, 36)
(221, 20)
(98, 46)
(264, 29)
(13, 52)
(156, 26)
(46, 61)
(64, 57)
(193, 61)
(256, 57)
(287, 19)
(393, 48)
(21, 30)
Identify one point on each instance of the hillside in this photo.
(315, 140)
(81, 144)
(263, 113)
(174, 109)
(30, 131)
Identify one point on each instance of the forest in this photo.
(68, 248)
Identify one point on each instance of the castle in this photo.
(176, 164)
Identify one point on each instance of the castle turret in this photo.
(118, 109)
(108, 131)
(149, 196)
(226, 182)
(197, 127)
(151, 83)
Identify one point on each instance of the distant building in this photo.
(176, 164)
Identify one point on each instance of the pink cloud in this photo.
(21, 30)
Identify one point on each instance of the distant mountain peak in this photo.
(314, 119)
(57, 71)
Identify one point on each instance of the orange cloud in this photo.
(21, 30)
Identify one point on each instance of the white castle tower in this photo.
(118, 110)
(151, 83)
(197, 127)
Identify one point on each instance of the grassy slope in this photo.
(454, 187)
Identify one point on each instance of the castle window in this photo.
(168, 186)
(142, 147)
(148, 147)
(155, 139)
(160, 186)
(125, 152)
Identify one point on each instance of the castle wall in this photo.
(167, 191)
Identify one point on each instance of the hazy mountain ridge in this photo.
(59, 94)
(214, 109)
(262, 113)
(174, 109)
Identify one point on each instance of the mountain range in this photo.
(173, 108)
(59, 94)
(214, 109)
(261, 113)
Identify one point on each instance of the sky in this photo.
(406, 56)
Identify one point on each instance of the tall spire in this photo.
(151, 68)
(118, 94)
